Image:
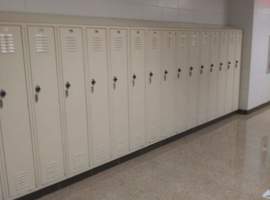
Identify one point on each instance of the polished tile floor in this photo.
(228, 160)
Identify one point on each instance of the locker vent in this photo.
(78, 162)
(70, 44)
(169, 42)
(21, 182)
(97, 44)
(51, 171)
(194, 41)
(7, 43)
(155, 42)
(139, 43)
(41, 43)
(117, 43)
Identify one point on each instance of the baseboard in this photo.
(77, 178)
(246, 112)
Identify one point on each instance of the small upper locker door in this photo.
(193, 78)
(75, 99)
(168, 70)
(119, 91)
(46, 98)
(98, 96)
(14, 115)
(213, 76)
(237, 69)
(181, 87)
(152, 76)
(136, 90)
(221, 90)
(204, 78)
(229, 73)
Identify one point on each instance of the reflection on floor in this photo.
(229, 160)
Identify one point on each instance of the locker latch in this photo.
(150, 77)
(165, 75)
(201, 70)
(133, 79)
(220, 66)
(68, 85)
(229, 65)
(114, 82)
(37, 90)
(211, 67)
(93, 83)
(190, 71)
(2, 96)
(236, 63)
(178, 73)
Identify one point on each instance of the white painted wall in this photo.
(195, 11)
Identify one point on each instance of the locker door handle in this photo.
(114, 82)
(229, 65)
(201, 70)
(165, 75)
(236, 63)
(178, 72)
(2, 96)
(37, 90)
(133, 79)
(220, 66)
(68, 85)
(150, 77)
(190, 71)
(93, 83)
(212, 68)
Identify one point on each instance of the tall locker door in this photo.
(152, 77)
(221, 90)
(237, 70)
(119, 92)
(213, 76)
(204, 78)
(14, 115)
(136, 90)
(193, 78)
(74, 94)
(181, 87)
(98, 96)
(47, 114)
(168, 71)
(229, 73)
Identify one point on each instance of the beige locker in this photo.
(229, 73)
(221, 89)
(237, 69)
(98, 96)
(193, 79)
(181, 87)
(153, 79)
(136, 90)
(213, 76)
(119, 91)
(46, 103)
(14, 115)
(204, 75)
(168, 72)
(74, 99)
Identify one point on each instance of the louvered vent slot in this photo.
(7, 43)
(71, 44)
(139, 43)
(97, 44)
(194, 40)
(154, 42)
(169, 42)
(41, 43)
(117, 43)
(22, 181)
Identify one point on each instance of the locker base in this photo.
(87, 174)
(246, 112)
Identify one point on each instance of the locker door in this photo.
(229, 74)
(152, 77)
(204, 78)
(98, 98)
(136, 90)
(168, 72)
(181, 87)
(213, 76)
(14, 114)
(221, 90)
(43, 65)
(74, 94)
(193, 79)
(237, 70)
(119, 92)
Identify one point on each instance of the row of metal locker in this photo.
(73, 98)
